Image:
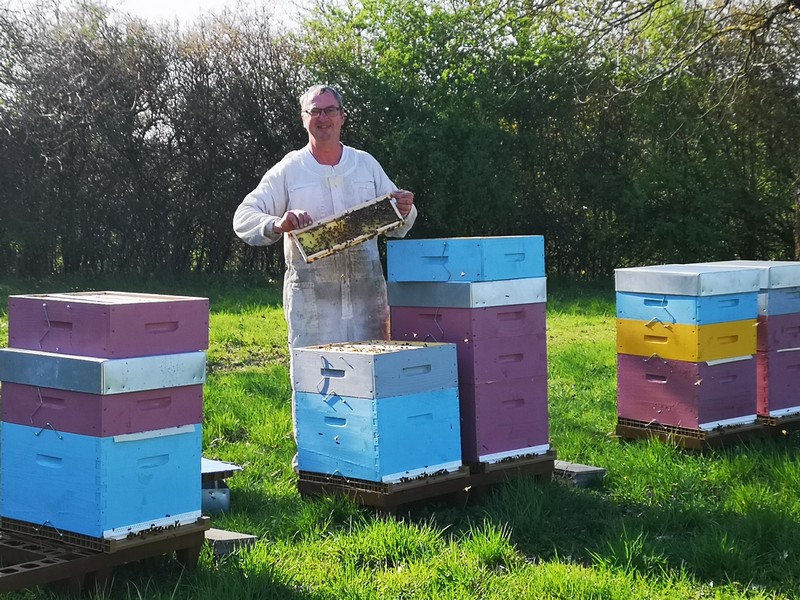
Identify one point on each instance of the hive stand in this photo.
(692, 439)
(469, 482)
(31, 556)
(386, 498)
(215, 492)
(780, 425)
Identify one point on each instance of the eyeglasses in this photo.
(330, 111)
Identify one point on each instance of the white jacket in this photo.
(342, 297)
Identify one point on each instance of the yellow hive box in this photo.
(346, 229)
(691, 343)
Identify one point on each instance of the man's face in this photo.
(324, 127)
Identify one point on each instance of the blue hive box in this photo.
(689, 310)
(380, 440)
(102, 487)
(466, 259)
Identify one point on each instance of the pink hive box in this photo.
(778, 332)
(498, 359)
(429, 324)
(778, 376)
(700, 396)
(493, 344)
(101, 415)
(108, 324)
(504, 419)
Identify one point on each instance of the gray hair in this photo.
(316, 90)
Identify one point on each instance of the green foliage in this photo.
(626, 134)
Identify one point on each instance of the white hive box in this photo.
(774, 274)
(375, 369)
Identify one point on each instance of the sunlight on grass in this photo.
(665, 523)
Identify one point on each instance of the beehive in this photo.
(385, 439)
(93, 375)
(504, 419)
(374, 369)
(102, 412)
(101, 415)
(465, 294)
(687, 310)
(778, 333)
(686, 344)
(494, 343)
(487, 296)
(778, 374)
(379, 411)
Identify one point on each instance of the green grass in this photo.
(665, 523)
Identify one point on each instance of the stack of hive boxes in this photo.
(102, 407)
(778, 335)
(377, 411)
(487, 296)
(686, 343)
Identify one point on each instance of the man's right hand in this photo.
(291, 220)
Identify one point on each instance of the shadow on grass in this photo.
(212, 579)
(755, 546)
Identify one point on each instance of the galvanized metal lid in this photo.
(688, 279)
(466, 294)
(774, 273)
(104, 376)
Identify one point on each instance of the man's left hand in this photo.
(404, 200)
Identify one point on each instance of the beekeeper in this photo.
(342, 297)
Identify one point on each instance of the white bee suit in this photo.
(342, 297)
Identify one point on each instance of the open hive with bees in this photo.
(347, 229)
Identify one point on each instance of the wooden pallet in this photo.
(469, 480)
(485, 475)
(109, 546)
(386, 497)
(539, 465)
(691, 439)
(780, 425)
(28, 560)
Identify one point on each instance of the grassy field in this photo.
(665, 523)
